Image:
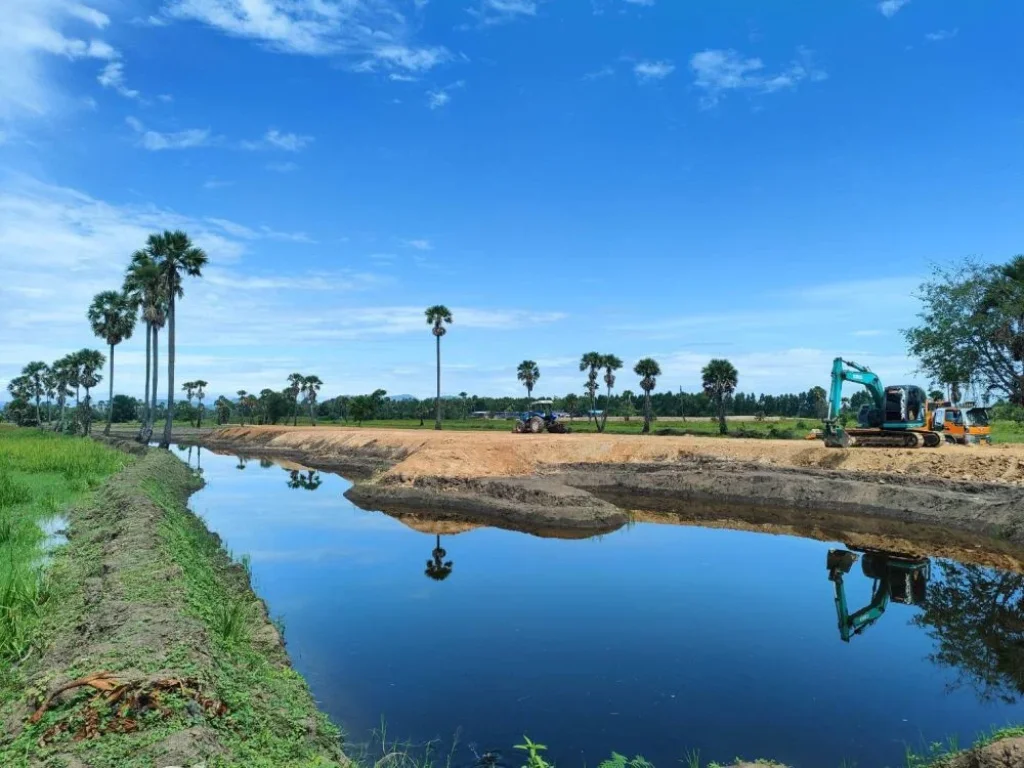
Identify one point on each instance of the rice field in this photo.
(40, 475)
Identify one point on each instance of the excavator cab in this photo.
(895, 577)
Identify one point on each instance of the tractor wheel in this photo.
(557, 428)
(519, 427)
(950, 440)
(535, 425)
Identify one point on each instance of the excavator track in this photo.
(893, 438)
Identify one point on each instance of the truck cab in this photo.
(962, 424)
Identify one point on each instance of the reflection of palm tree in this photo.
(309, 481)
(266, 463)
(438, 568)
(241, 463)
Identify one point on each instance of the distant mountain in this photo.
(401, 398)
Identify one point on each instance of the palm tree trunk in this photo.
(39, 414)
(156, 376)
(312, 415)
(199, 419)
(88, 413)
(437, 402)
(647, 412)
(145, 397)
(110, 397)
(604, 416)
(169, 422)
(722, 428)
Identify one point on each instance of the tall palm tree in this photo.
(719, 379)
(50, 387)
(591, 363)
(438, 568)
(611, 364)
(438, 316)
(242, 395)
(528, 373)
(144, 285)
(648, 369)
(64, 375)
(200, 386)
(35, 374)
(112, 316)
(296, 384)
(90, 362)
(311, 386)
(223, 408)
(176, 258)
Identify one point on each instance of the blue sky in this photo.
(762, 181)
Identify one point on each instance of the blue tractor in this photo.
(538, 419)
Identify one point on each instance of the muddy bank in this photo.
(539, 506)
(154, 650)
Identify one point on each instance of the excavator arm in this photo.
(842, 372)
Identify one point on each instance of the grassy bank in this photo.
(191, 670)
(40, 475)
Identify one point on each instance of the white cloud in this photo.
(440, 97)
(274, 139)
(156, 141)
(719, 71)
(421, 244)
(215, 183)
(33, 37)
(599, 74)
(166, 98)
(437, 99)
(942, 34)
(890, 8)
(377, 33)
(112, 76)
(287, 167)
(648, 3)
(646, 71)
(235, 229)
(490, 12)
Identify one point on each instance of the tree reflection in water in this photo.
(438, 568)
(307, 481)
(976, 616)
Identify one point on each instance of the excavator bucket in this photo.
(839, 561)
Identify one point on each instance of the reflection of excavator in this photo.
(896, 577)
(898, 416)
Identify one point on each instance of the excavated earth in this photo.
(956, 501)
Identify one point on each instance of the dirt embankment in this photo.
(579, 482)
(153, 649)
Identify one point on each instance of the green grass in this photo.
(40, 474)
(1007, 432)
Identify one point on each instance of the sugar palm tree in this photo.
(648, 369)
(296, 384)
(591, 363)
(176, 258)
(90, 362)
(242, 395)
(438, 316)
(310, 387)
(528, 373)
(35, 374)
(438, 568)
(719, 378)
(200, 386)
(570, 402)
(64, 374)
(611, 364)
(144, 285)
(112, 316)
(189, 388)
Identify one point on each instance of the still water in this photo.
(657, 639)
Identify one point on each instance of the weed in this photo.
(533, 750)
(231, 620)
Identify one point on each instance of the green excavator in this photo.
(896, 577)
(898, 416)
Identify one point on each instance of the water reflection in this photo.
(895, 577)
(976, 617)
(307, 481)
(438, 568)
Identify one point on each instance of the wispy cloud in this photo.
(112, 76)
(275, 139)
(491, 12)
(600, 74)
(286, 167)
(235, 229)
(374, 35)
(719, 71)
(646, 71)
(442, 96)
(33, 35)
(215, 183)
(420, 245)
(942, 34)
(640, 2)
(890, 8)
(156, 141)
